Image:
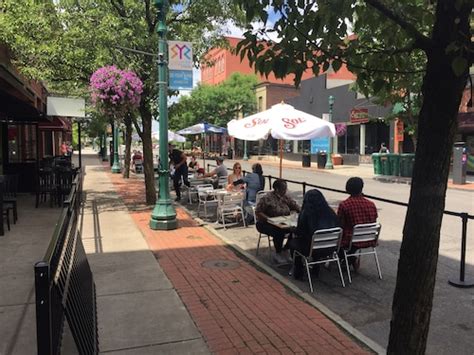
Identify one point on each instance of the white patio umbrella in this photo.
(172, 136)
(281, 121)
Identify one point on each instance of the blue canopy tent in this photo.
(203, 128)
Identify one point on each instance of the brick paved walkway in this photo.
(239, 310)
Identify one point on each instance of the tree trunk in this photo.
(442, 91)
(128, 145)
(148, 155)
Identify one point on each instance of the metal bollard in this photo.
(462, 283)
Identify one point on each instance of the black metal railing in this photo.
(463, 215)
(64, 285)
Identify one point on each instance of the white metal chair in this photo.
(192, 189)
(206, 197)
(324, 248)
(222, 182)
(364, 236)
(260, 194)
(231, 205)
(138, 166)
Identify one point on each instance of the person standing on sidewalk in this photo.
(179, 160)
(274, 204)
(355, 210)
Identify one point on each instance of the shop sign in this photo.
(180, 65)
(359, 115)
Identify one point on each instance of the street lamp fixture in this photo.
(329, 165)
(163, 216)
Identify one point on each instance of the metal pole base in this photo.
(461, 284)
(245, 158)
(329, 164)
(116, 169)
(163, 216)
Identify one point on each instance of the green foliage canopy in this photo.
(215, 104)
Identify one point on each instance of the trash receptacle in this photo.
(394, 162)
(306, 160)
(385, 164)
(406, 164)
(377, 163)
(322, 158)
(230, 154)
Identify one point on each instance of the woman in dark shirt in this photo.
(315, 215)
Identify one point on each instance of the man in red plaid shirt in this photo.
(355, 210)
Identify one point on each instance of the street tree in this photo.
(70, 39)
(116, 94)
(216, 104)
(314, 35)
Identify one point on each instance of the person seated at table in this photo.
(274, 204)
(254, 182)
(193, 164)
(315, 215)
(356, 209)
(219, 171)
(234, 180)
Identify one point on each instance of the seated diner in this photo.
(274, 204)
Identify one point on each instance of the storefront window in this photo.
(21, 143)
(376, 133)
(349, 143)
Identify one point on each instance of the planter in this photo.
(336, 159)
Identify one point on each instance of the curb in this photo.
(372, 345)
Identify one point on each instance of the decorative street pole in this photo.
(329, 157)
(164, 215)
(116, 166)
(245, 151)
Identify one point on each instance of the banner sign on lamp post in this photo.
(180, 64)
(359, 115)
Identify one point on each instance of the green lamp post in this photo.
(163, 216)
(245, 151)
(329, 157)
(116, 166)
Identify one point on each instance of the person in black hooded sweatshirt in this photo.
(315, 215)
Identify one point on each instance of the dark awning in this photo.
(57, 124)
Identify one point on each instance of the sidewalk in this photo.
(139, 311)
(237, 308)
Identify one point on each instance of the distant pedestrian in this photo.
(383, 148)
(64, 148)
(179, 160)
(355, 210)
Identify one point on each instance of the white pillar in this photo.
(334, 145)
(295, 146)
(362, 140)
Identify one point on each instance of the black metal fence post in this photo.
(304, 187)
(462, 283)
(43, 309)
(269, 181)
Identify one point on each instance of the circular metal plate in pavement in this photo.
(221, 264)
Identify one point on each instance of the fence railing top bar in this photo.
(381, 199)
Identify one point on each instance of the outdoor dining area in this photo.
(53, 182)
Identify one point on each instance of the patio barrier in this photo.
(64, 285)
(462, 283)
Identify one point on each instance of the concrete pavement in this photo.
(20, 248)
(139, 311)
